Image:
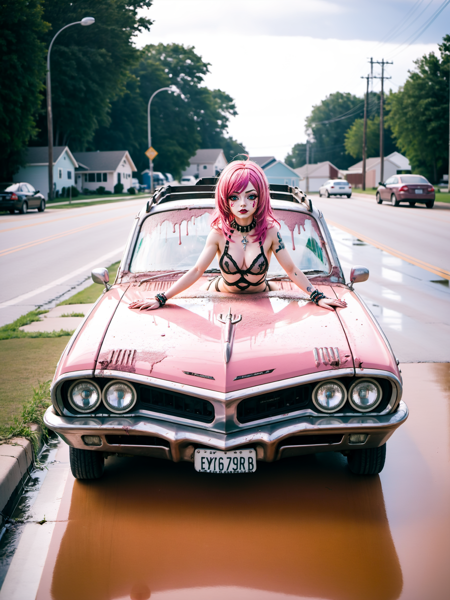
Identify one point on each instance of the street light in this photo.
(85, 22)
(164, 89)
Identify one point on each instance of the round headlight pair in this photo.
(330, 396)
(118, 396)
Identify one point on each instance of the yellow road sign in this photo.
(151, 153)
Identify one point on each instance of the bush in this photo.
(131, 190)
(75, 192)
(63, 192)
(86, 191)
(118, 188)
(101, 189)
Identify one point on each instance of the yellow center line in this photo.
(414, 261)
(56, 236)
(97, 212)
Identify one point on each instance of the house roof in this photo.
(263, 161)
(308, 170)
(370, 164)
(206, 156)
(283, 164)
(103, 161)
(38, 155)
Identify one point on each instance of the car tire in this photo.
(24, 208)
(41, 207)
(11, 211)
(429, 204)
(349, 195)
(367, 462)
(412, 204)
(86, 464)
(320, 194)
(327, 194)
(378, 198)
(394, 200)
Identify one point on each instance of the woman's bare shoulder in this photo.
(215, 236)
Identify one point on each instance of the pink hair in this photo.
(233, 180)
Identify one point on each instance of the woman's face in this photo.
(244, 205)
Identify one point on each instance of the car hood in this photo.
(273, 338)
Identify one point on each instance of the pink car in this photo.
(226, 380)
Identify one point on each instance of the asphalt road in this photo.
(296, 529)
(47, 256)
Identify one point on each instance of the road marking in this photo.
(56, 236)
(414, 261)
(55, 220)
(48, 286)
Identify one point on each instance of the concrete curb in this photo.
(16, 464)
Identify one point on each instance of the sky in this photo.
(279, 58)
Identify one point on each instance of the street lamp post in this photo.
(164, 89)
(85, 22)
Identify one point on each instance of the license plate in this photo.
(419, 191)
(217, 461)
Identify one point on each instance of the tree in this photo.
(90, 65)
(22, 71)
(180, 123)
(297, 156)
(327, 124)
(354, 139)
(419, 111)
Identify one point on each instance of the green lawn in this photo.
(29, 359)
(440, 196)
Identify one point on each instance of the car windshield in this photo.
(12, 188)
(413, 179)
(173, 240)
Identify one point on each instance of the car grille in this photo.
(178, 405)
(275, 403)
(136, 440)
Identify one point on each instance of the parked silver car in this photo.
(336, 187)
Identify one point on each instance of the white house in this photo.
(206, 163)
(315, 175)
(277, 171)
(36, 169)
(393, 164)
(104, 169)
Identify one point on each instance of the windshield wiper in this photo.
(161, 275)
(212, 271)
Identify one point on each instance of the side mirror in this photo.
(101, 276)
(357, 275)
(381, 183)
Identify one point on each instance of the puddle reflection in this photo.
(299, 528)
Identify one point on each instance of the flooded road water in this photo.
(299, 528)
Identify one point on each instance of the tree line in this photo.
(101, 84)
(416, 122)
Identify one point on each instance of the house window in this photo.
(60, 173)
(91, 177)
(85, 178)
(105, 177)
(118, 178)
(205, 166)
(99, 177)
(69, 174)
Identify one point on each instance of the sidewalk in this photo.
(102, 199)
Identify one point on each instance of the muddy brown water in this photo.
(299, 528)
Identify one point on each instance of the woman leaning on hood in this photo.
(244, 235)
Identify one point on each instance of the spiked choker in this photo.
(243, 228)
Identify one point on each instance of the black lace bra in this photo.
(259, 266)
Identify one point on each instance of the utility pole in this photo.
(364, 148)
(448, 186)
(307, 167)
(383, 77)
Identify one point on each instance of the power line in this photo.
(398, 28)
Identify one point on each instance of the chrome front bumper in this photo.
(176, 442)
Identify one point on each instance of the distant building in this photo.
(208, 162)
(104, 169)
(315, 175)
(277, 171)
(393, 164)
(36, 169)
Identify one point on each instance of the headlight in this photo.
(365, 395)
(329, 396)
(119, 396)
(84, 395)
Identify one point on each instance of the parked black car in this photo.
(20, 197)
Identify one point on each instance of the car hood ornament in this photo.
(228, 320)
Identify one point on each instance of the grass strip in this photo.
(94, 203)
(91, 294)
(12, 330)
(32, 413)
